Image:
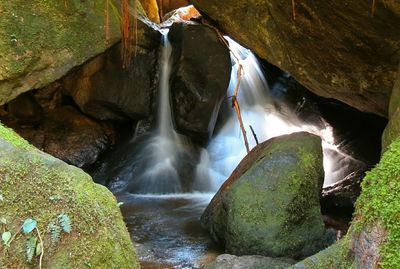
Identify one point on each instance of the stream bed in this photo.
(166, 229)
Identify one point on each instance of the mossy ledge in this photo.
(373, 240)
(379, 204)
(36, 185)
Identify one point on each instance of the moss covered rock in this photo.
(334, 48)
(270, 204)
(40, 41)
(37, 186)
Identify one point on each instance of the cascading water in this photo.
(268, 118)
(154, 167)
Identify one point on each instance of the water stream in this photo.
(161, 213)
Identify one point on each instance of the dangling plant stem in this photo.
(373, 8)
(42, 248)
(235, 103)
(107, 21)
(293, 10)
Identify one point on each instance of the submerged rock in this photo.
(40, 187)
(227, 261)
(334, 48)
(106, 90)
(199, 79)
(270, 204)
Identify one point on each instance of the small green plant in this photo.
(34, 245)
(65, 222)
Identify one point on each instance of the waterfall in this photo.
(268, 118)
(154, 167)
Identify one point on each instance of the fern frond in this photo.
(65, 222)
(30, 248)
(55, 232)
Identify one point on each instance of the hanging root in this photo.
(293, 10)
(373, 8)
(235, 103)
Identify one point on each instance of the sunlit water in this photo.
(268, 119)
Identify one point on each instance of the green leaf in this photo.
(30, 247)
(29, 225)
(38, 249)
(1, 198)
(6, 236)
(3, 220)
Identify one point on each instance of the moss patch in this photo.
(36, 185)
(379, 203)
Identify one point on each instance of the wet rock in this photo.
(26, 110)
(151, 8)
(75, 138)
(337, 50)
(38, 186)
(199, 79)
(270, 204)
(106, 90)
(227, 261)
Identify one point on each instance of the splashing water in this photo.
(268, 119)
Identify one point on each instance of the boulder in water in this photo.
(199, 79)
(36, 186)
(270, 204)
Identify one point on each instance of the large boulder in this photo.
(36, 186)
(334, 48)
(199, 79)
(270, 204)
(41, 41)
(104, 89)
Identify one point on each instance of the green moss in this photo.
(334, 257)
(379, 203)
(36, 185)
(13, 137)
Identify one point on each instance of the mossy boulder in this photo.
(40, 41)
(270, 204)
(334, 48)
(38, 186)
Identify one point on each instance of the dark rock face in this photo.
(335, 49)
(270, 204)
(75, 138)
(105, 90)
(26, 109)
(199, 79)
(66, 134)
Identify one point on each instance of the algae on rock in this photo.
(36, 185)
(40, 41)
(270, 204)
